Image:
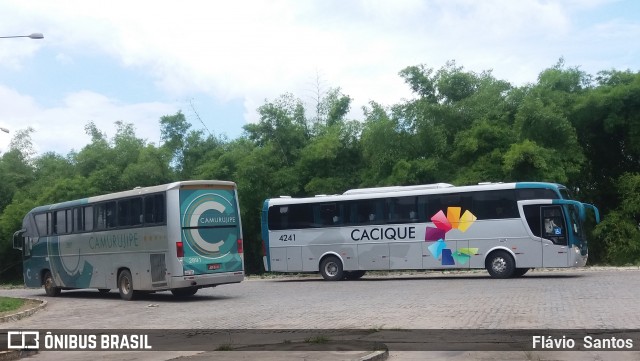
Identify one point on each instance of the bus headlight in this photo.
(188, 272)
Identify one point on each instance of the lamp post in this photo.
(4, 130)
(30, 36)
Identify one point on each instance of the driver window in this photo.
(553, 225)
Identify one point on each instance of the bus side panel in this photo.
(288, 248)
(508, 234)
(278, 259)
(405, 255)
(70, 266)
(373, 256)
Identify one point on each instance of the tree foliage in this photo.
(460, 127)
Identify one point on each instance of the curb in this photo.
(23, 314)
(375, 356)
(16, 354)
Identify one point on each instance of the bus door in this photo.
(25, 243)
(548, 225)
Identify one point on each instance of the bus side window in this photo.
(328, 214)
(154, 209)
(49, 223)
(100, 216)
(78, 224)
(60, 225)
(111, 214)
(88, 218)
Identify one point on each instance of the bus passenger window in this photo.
(111, 214)
(88, 218)
(61, 222)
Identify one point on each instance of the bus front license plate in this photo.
(213, 266)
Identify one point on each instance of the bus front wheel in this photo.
(354, 275)
(331, 269)
(519, 272)
(500, 264)
(50, 286)
(125, 285)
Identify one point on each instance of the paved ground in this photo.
(570, 299)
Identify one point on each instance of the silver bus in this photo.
(180, 237)
(505, 228)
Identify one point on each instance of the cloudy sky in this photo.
(217, 61)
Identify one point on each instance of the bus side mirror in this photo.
(17, 240)
(582, 213)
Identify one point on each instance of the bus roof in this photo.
(397, 188)
(400, 191)
(133, 192)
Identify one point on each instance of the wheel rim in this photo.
(331, 269)
(125, 285)
(499, 265)
(48, 284)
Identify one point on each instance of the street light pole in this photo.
(4, 130)
(30, 36)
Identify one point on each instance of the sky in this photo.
(218, 61)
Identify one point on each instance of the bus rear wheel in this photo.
(125, 285)
(500, 264)
(50, 286)
(331, 268)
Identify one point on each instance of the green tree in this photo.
(619, 231)
(607, 121)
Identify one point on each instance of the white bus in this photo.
(181, 237)
(505, 228)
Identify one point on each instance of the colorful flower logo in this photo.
(444, 224)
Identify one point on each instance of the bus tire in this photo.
(519, 272)
(331, 268)
(125, 285)
(49, 285)
(184, 292)
(354, 275)
(500, 264)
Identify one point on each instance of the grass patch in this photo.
(225, 347)
(376, 328)
(317, 339)
(10, 304)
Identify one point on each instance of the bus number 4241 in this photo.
(287, 238)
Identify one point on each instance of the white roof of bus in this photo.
(395, 192)
(160, 188)
(133, 192)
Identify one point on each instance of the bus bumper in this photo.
(206, 280)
